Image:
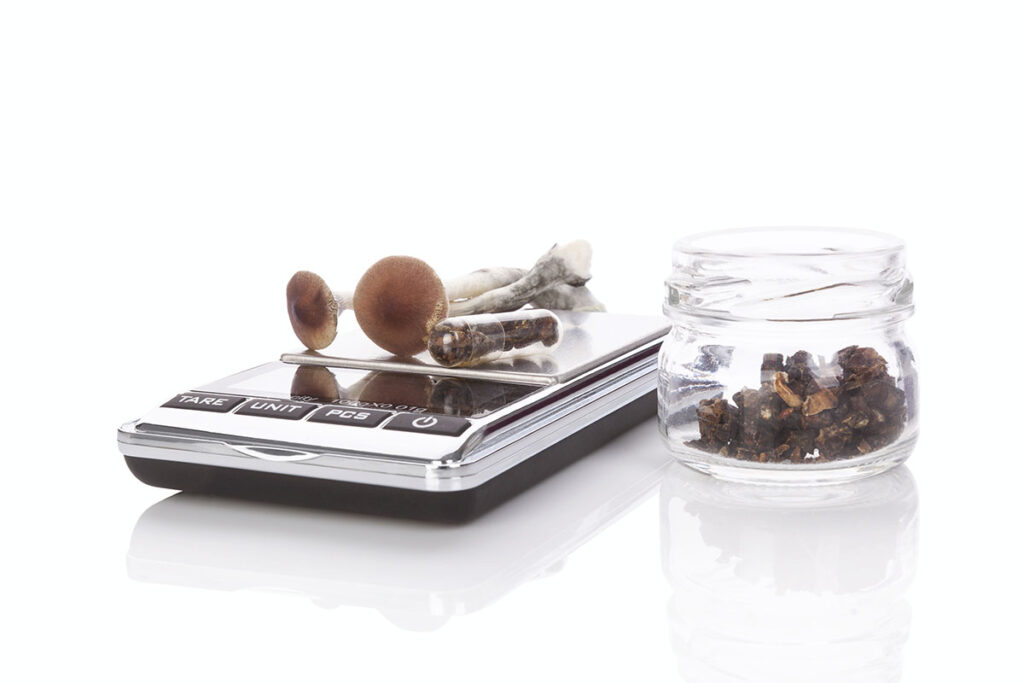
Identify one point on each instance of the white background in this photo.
(165, 167)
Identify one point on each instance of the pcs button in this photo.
(354, 417)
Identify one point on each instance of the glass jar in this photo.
(788, 361)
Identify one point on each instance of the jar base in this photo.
(785, 474)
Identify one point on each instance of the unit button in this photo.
(430, 424)
(355, 417)
(267, 407)
(209, 402)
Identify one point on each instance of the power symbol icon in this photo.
(424, 422)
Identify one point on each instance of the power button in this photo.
(429, 424)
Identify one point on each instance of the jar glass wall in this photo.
(788, 361)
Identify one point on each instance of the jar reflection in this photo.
(789, 584)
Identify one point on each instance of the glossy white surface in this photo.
(166, 167)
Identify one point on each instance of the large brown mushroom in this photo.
(397, 302)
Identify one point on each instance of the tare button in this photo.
(211, 403)
(428, 424)
(354, 417)
(267, 407)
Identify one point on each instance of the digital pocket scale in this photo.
(352, 428)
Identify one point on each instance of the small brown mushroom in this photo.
(397, 302)
(313, 309)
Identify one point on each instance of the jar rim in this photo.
(806, 241)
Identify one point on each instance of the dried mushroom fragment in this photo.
(718, 422)
(801, 373)
(818, 402)
(791, 398)
(770, 365)
(801, 414)
(860, 364)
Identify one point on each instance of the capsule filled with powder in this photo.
(487, 337)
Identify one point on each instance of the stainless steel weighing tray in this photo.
(350, 428)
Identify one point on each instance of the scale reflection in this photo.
(418, 575)
(789, 584)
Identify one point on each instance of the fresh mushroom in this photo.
(397, 302)
(562, 264)
(313, 309)
(401, 294)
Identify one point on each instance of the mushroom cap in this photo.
(397, 302)
(312, 310)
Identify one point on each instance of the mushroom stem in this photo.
(343, 299)
(565, 297)
(562, 264)
(462, 287)
(480, 281)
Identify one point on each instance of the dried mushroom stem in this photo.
(562, 264)
(465, 286)
(565, 297)
(481, 281)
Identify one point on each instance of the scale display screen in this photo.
(406, 392)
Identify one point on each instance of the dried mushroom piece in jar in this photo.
(803, 413)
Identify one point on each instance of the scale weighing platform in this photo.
(352, 428)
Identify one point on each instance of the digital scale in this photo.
(352, 428)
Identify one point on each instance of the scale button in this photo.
(430, 424)
(209, 402)
(268, 407)
(355, 417)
